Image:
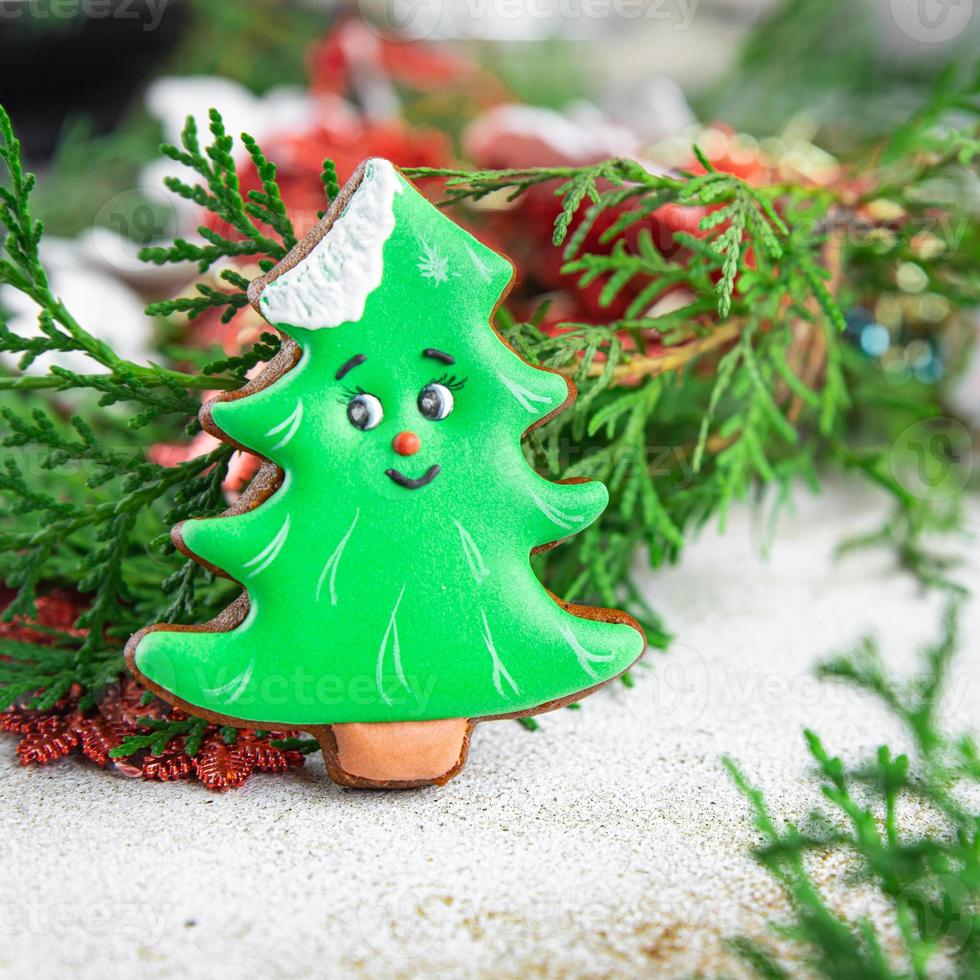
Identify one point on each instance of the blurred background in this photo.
(770, 89)
(93, 85)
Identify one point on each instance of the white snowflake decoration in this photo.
(433, 264)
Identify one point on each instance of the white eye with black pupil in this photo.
(435, 401)
(364, 411)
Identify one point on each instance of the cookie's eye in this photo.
(364, 411)
(435, 401)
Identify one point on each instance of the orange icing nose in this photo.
(406, 443)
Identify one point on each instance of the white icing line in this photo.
(330, 286)
(499, 670)
(523, 395)
(333, 563)
(291, 424)
(482, 269)
(237, 685)
(396, 650)
(270, 552)
(396, 653)
(241, 687)
(472, 553)
(585, 659)
(223, 688)
(560, 517)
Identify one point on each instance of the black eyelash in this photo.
(350, 393)
(450, 381)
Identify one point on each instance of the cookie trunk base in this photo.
(395, 755)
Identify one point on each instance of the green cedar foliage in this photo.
(929, 881)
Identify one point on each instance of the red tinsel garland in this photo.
(64, 730)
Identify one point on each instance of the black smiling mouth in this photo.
(408, 483)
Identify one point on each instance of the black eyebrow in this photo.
(439, 355)
(349, 365)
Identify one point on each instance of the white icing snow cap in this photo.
(331, 285)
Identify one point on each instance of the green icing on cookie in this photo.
(383, 586)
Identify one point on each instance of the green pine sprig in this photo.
(162, 732)
(741, 217)
(930, 881)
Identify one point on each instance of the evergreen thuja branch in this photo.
(328, 177)
(219, 193)
(236, 228)
(782, 369)
(929, 879)
(140, 485)
(162, 732)
(741, 220)
(267, 205)
(923, 174)
(237, 219)
(577, 182)
(23, 233)
(60, 332)
(100, 544)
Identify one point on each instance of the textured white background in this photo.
(609, 841)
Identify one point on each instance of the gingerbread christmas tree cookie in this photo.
(384, 548)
